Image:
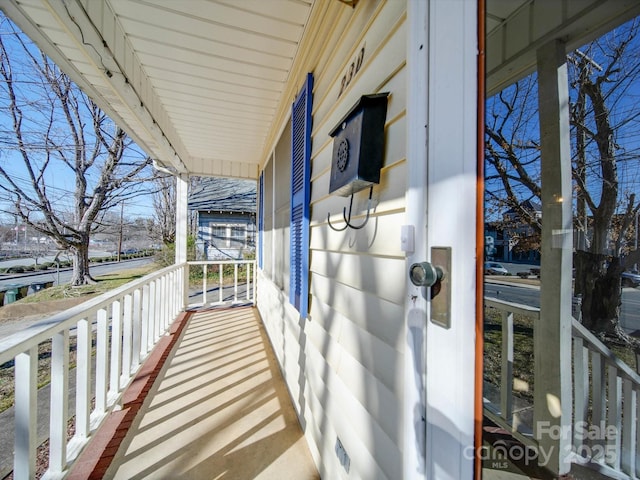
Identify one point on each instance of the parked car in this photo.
(630, 278)
(494, 268)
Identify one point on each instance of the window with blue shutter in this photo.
(260, 219)
(300, 197)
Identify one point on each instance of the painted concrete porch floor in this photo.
(219, 409)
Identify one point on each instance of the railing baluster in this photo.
(580, 386)
(183, 277)
(204, 284)
(116, 347)
(137, 330)
(255, 279)
(26, 371)
(153, 313)
(147, 330)
(506, 387)
(248, 272)
(127, 338)
(102, 358)
(83, 379)
(240, 267)
(59, 402)
(235, 282)
(597, 389)
(174, 289)
(163, 305)
(629, 433)
(220, 281)
(614, 404)
(170, 297)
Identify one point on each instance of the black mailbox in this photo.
(358, 146)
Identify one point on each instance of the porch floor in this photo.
(219, 408)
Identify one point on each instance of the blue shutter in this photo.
(260, 220)
(300, 197)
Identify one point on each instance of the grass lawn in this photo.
(104, 283)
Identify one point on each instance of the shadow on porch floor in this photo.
(218, 409)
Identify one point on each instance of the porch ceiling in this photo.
(202, 84)
(197, 83)
(517, 28)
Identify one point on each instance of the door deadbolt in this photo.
(424, 274)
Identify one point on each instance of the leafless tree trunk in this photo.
(164, 205)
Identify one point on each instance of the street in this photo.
(530, 295)
(65, 274)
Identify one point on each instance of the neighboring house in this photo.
(513, 240)
(522, 242)
(226, 210)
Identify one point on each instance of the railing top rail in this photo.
(578, 330)
(220, 262)
(512, 307)
(48, 326)
(595, 344)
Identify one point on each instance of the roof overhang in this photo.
(203, 86)
(196, 84)
(517, 28)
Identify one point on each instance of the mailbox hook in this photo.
(347, 217)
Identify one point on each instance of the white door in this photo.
(440, 230)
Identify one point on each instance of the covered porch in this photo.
(214, 405)
(161, 377)
(379, 389)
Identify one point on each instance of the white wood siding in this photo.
(344, 364)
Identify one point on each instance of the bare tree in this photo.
(604, 112)
(56, 133)
(164, 204)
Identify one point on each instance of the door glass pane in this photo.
(602, 294)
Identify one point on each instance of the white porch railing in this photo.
(503, 411)
(224, 281)
(110, 336)
(112, 333)
(605, 398)
(605, 411)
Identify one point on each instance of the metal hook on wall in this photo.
(347, 217)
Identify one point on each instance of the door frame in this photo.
(441, 210)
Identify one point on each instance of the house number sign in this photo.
(352, 70)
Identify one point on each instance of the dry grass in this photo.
(522, 352)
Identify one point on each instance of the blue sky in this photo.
(624, 109)
(60, 180)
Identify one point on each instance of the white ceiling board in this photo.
(199, 83)
(516, 29)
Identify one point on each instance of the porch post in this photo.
(182, 214)
(552, 338)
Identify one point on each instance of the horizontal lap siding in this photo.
(358, 276)
(343, 365)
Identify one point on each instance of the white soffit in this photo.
(517, 28)
(196, 83)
